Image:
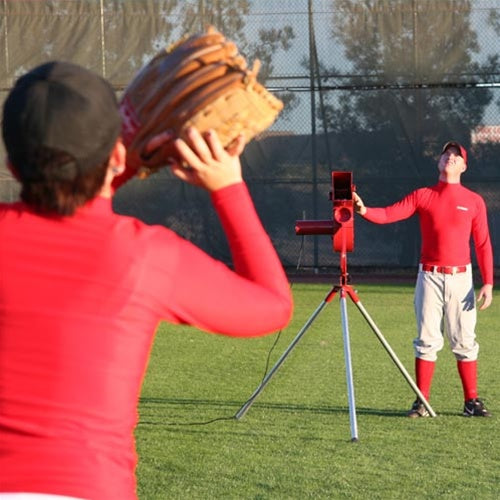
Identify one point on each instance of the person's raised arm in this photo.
(253, 299)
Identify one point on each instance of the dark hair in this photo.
(53, 183)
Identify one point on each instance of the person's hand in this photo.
(485, 296)
(209, 165)
(359, 206)
(162, 141)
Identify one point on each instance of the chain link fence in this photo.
(373, 87)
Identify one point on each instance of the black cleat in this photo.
(475, 408)
(418, 410)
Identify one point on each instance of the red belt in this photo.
(443, 269)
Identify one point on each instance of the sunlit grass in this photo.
(294, 442)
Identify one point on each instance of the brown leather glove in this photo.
(200, 81)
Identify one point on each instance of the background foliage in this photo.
(374, 87)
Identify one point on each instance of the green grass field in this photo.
(295, 441)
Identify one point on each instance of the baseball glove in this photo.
(200, 81)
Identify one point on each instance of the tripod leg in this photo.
(348, 368)
(241, 412)
(393, 356)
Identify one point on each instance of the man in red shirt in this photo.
(444, 295)
(82, 289)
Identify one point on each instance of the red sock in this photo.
(468, 374)
(424, 371)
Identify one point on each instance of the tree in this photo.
(411, 87)
(418, 57)
(228, 16)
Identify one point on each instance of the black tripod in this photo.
(344, 290)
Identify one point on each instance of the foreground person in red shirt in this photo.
(444, 295)
(83, 289)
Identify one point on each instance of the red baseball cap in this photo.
(454, 144)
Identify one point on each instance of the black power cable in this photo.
(268, 360)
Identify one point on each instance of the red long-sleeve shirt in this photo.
(80, 299)
(449, 215)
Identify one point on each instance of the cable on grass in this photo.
(266, 369)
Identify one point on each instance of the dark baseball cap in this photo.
(62, 107)
(454, 144)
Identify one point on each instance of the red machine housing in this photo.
(341, 226)
(343, 211)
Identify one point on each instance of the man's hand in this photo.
(359, 206)
(210, 166)
(486, 296)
